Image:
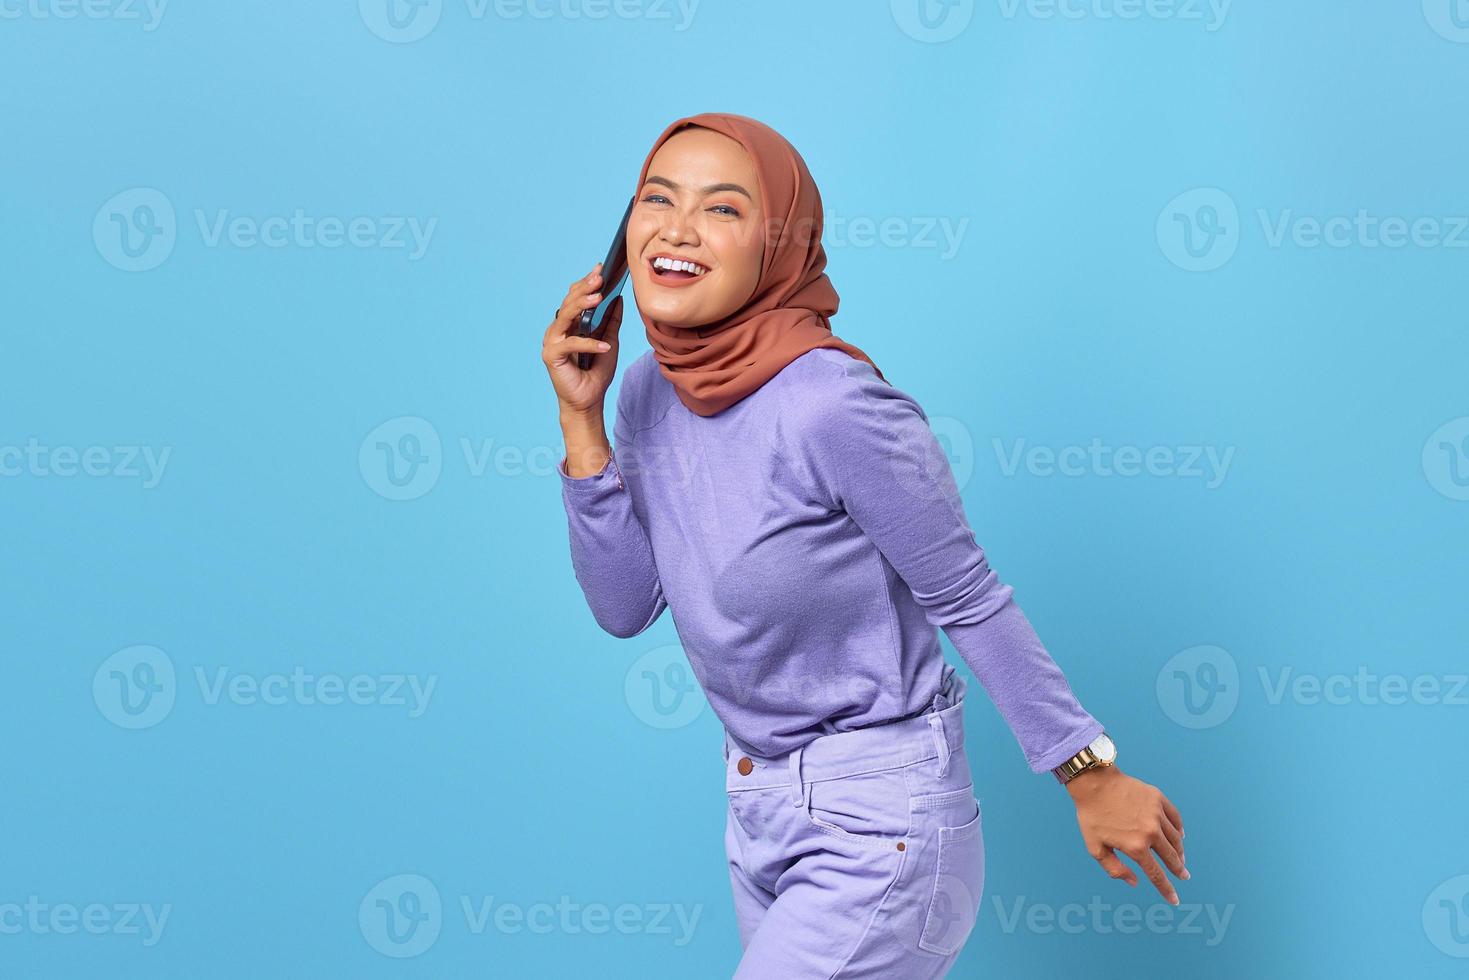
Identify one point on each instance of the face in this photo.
(701, 204)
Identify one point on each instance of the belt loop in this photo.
(936, 726)
(798, 788)
(726, 747)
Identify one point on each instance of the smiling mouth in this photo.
(666, 270)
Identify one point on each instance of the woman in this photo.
(795, 511)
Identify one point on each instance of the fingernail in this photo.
(1173, 900)
(603, 345)
(1185, 876)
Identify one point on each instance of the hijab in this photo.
(717, 364)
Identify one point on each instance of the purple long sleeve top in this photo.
(810, 541)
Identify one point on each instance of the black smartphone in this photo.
(614, 274)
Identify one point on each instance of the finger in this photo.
(561, 350)
(1174, 817)
(580, 288)
(580, 281)
(570, 310)
(1170, 854)
(1155, 873)
(1114, 867)
(1175, 841)
(611, 323)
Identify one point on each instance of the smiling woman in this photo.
(699, 207)
(810, 540)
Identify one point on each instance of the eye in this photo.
(656, 198)
(727, 210)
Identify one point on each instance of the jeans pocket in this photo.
(870, 808)
(958, 884)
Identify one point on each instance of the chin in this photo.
(676, 318)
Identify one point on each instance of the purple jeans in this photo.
(858, 854)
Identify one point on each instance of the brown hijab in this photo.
(713, 366)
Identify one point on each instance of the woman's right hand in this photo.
(578, 390)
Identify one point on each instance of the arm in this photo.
(610, 551)
(874, 455)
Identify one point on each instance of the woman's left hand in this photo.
(1119, 813)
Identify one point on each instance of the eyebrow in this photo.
(712, 188)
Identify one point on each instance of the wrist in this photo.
(581, 417)
(1087, 782)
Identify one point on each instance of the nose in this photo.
(676, 229)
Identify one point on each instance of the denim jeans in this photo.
(858, 854)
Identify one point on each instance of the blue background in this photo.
(1330, 834)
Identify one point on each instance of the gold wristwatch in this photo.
(1100, 752)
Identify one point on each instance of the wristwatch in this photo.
(1102, 751)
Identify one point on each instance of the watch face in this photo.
(1104, 748)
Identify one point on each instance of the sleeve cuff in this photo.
(1065, 750)
(607, 477)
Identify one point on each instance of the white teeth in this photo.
(683, 264)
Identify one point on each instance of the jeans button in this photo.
(745, 766)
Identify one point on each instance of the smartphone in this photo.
(614, 274)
